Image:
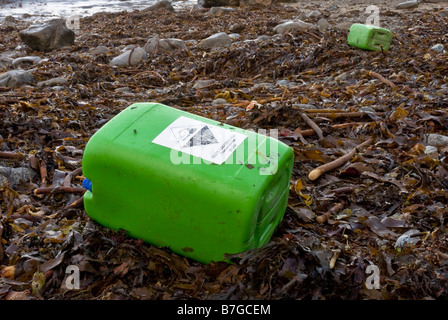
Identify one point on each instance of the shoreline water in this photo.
(29, 9)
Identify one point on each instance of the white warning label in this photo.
(200, 139)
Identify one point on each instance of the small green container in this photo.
(177, 180)
(369, 37)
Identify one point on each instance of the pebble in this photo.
(219, 101)
(199, 84)
(29, 59)
(155, 46)
(217, 40)
(220, 10)
(14, 78)
(438, 47)
(130, 57)
(293, 25)
(437, 140)
(407, 5)
(430, 149)
(100, 50)
(323, 25)
(14, 176)
(58, 81)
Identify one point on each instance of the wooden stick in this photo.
(47, 190)
(382, 79)
(11, 155)
(333, 210)
(68, 178)
(312, 124)
(316, 173)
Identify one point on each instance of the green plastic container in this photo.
(177, 180)
(369, 37)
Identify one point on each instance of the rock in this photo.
(218, 3)
(59, 81)
(200, 84)
(438, 47)
(220, 10)
(14, 78)
(293, 25)
(237, 27)
(262, 86)
(9, 21)
(313, 14)
(28, 59)
(219, 101)
(130, 57)
(407, 5)
(15, 176)
(255, 3)
(48, 36)
(437, 140)
(100, 50)
(323, 25)
(161, 5)
(430, 149)
(196, 7)
(217, 40)
(443, 13)
(155, 46)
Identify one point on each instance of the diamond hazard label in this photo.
(200, 139)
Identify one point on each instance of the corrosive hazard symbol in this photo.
(200, 139)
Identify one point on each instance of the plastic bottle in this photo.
(369, 37)
(174, 179)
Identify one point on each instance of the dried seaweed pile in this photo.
(386, 206)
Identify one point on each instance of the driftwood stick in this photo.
(69, 177)
(11, 155)
(312, 124)
(333, 210)
(382, 79)
(48, 190)
(316, 173)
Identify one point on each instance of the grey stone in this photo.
(14, 78)
(48, 36)
(323, 25)
(313, 14)
(255, 3)
(100, 50)
(218, 3)
(407, 5)
(29, 59)
(155, 46)
(200, 84)
(220, 10)
(430, 149)
(130, 57)
(161, 5)
(9, 21)
(437, 140)
(217, 40)
(15, 176)
(438, 47)
(59, 81)
(219, 101)
(293, 25)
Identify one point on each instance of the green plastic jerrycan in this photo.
(369, 37)
(174, 179)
